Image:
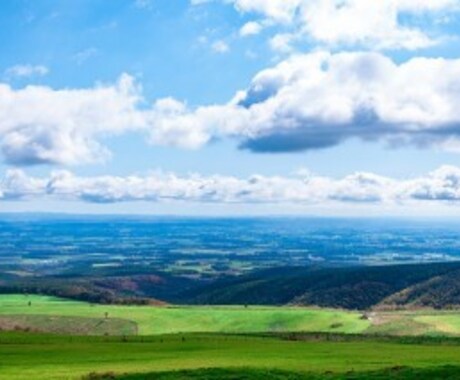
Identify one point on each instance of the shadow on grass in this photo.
(395, 373)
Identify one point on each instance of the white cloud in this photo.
(441, 185)
(282, 42)
(374, 24)
(42, 125)
(17, 185)
(370, 23)
(26, 71)
(282, 11)
(308, 101)
(320, 100)
(250, 29)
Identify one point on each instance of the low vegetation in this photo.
(205, 342)
(395, 373)
(48, 357)
(56, 315)
(164, 320)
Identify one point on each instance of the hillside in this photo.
(114, 288)
(349, 288)
(439, 292)
(434, 285)
(49, 314)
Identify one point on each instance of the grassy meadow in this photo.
(181, 319)
(50, 338)
(28, 356)
(396, 373)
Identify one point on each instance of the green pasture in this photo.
(181, 319)
(395, 373)
(200, 338)
(29, 356)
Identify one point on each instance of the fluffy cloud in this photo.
(282, 11)
(319, 100)
(442, 185)
(250, 28)
(308, 101)
(17, 185)
(376, 24)
(42, 125)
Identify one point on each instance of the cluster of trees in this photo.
(357, 288)
(74, 291)
(413, 285)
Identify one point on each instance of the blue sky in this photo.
(247, 104)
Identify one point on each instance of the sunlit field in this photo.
(177, 319)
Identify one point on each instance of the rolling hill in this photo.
(403, 286)
(430, 285)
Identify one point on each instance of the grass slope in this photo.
(26, 356)
(165, 320)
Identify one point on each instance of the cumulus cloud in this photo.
(319, 100)
(42, 125)
(251, 28)
(308, 101)
(374, 24)
(442, 185)
(17, 185)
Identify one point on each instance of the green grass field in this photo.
(167, 320)
(49, 314)
(27, 356)
(146, 339)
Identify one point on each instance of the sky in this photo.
(230, 107)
